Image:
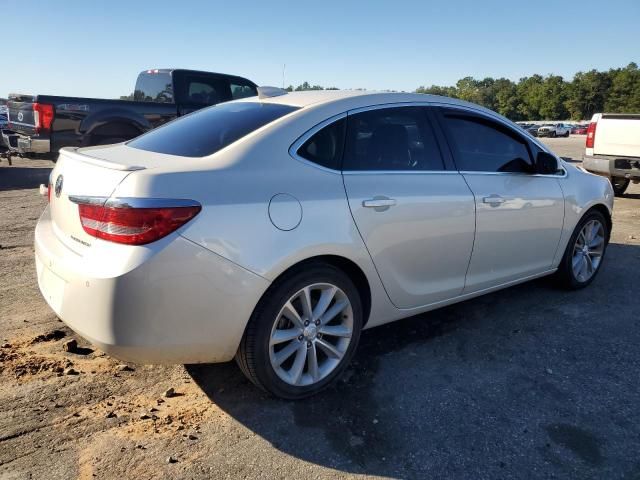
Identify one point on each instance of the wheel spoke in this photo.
(280, 336)
(325, 300)
(335, 330)
(312, 362)
(291, 313)
(286, 352)
(305, 299)
(596, 242)
(329, 349)
(576, 262)
(583, 268)
(590, 267)
(298, 364)
(330, 314)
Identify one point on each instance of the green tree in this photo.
(586, 94)
(624, 94)
(554, 95)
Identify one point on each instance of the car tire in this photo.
(275, 367)
(552, 134)
(573, 273)
(619, 185)
(566, 134)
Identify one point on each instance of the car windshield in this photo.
(211, 129)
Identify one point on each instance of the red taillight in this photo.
(43, 116)
(591, 134)
(133, 226)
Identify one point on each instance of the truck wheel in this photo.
(552, 134)
(584, 253)
(619, 185)
(567, 134)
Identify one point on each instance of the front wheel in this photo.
(619, 185)
(303, 332)
(566, 134)
(585, 252)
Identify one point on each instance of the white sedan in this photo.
(276, 228)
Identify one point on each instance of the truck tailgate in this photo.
(618, 135)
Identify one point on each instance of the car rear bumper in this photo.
(613, 166)
(23, 144)
(181, 304)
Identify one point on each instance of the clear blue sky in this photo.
(96, 48)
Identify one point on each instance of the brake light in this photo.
(133, 226)
(591, 134)
(43, 116)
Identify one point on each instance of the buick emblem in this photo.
(58, 187)
(20, 116)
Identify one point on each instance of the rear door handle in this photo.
(379, 203)
(493, 200)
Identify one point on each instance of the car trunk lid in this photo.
(80, 175)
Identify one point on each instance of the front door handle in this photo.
(493, 200)
(379, 203)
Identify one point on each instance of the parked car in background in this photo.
(43, 124)
(612, 148)
(554, 130)
(532, 129)
(276, 228)
(579, 130)
(3, 121)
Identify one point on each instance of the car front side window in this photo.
(394, 139)
(481, 145)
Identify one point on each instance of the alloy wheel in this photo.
(311, 334)
(588, 250)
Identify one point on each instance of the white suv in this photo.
(554, 130)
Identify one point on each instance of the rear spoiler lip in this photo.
(73, 153)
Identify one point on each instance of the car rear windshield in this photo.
(211, 129)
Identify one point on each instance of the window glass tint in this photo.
(482, 146)
(206, 131)
(325, 146)
(241, 90)
(397, 138)
(154, 87)
(201, 90)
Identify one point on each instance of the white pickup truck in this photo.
(613, 148)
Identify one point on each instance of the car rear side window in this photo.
(206, 131)
(242, 90)
(154, 87)
(325, 146)
(481, 145)
(396, 138)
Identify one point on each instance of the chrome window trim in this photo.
(520, 174)
(293, 149)
(400, 172)
(295, 146)
(131, 202)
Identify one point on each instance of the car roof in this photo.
(359, 98)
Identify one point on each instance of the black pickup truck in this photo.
(42, 124)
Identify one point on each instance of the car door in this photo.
(415, 215)
(519, 213)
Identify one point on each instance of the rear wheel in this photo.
(585, 252)
(303, 333)
(567, 134)
(619, 185)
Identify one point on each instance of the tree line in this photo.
(544, 98)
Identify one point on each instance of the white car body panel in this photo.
(188, 297)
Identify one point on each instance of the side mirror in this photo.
(546, 164)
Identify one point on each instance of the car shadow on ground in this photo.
(18, 178)
(460, 387)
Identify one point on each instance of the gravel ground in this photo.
(528, 382)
